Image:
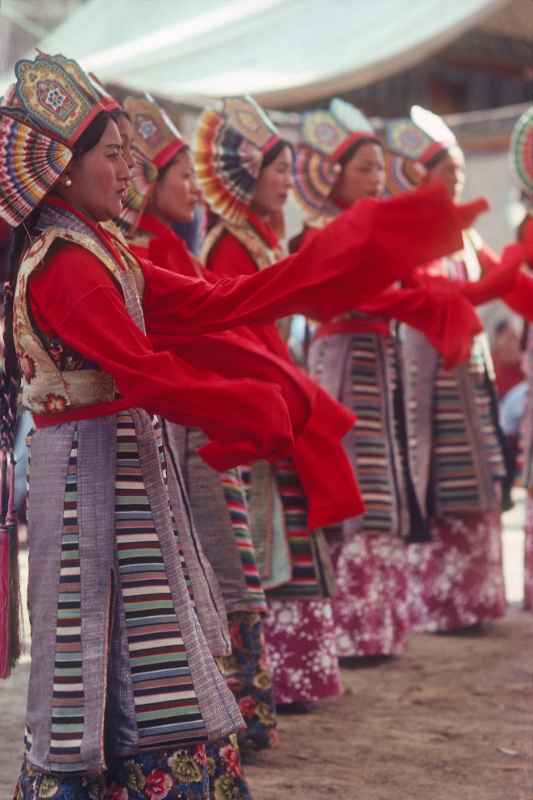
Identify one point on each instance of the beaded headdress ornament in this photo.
(229, 148)
(41, 118)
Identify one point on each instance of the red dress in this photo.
(299, 632)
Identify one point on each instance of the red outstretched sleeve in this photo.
(325, 472)
(440, 312)
(520, 299)
(333, 273)
(245, 419)
(502, 278)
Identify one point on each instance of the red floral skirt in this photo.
(370, 606)
(456, 580)
(528, 560)
(300, 640)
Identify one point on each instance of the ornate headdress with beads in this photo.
(42, 117)
(421, 137)
(521, 155)
(229, 148)
(325, 136)
(157, 141)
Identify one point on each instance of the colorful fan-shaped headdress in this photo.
(156, 142)
(325, 136)
(521, 154)
(229, 148)
(420, 138)
(42, 117)
(402, 174)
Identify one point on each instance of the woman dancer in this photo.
(455, 453)
(218, 501)
(357, 358)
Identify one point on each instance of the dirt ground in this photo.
(450, 720)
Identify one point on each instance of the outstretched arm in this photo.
(358, 255)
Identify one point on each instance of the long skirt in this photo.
(456, 581)
(247, 673)
(117, 589)
(528, 559)
(197, 772)
(300, 639)
(371, 604)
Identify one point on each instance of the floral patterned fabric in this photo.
(247, 672)
(300, 640)
(199, 772)
(371, 604)
(456, 581)
(528, 562)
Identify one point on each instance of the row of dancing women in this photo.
(213, 528)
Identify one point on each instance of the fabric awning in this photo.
(283, 51)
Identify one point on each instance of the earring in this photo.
(68, 181)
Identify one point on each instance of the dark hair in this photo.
(353, 148)
(92, 134)
(19, 240)
(274, 152)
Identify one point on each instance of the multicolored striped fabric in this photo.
(164, 472)
(229, 148)
(455, 462)
(305, 578)
(521, 152)
(455, 470)
(68, 693)
(166, 705)
(31, 164)
(371, 360)
(234, 495)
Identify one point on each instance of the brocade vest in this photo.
(54, 377)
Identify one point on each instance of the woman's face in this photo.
(362, 176)
(99, 178)
(176, 193)
(127, 133)
(451, 172)
(273, 185)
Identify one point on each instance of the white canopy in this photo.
(282, 51)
